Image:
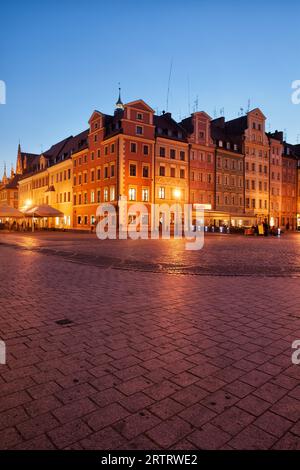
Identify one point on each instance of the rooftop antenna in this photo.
(241, 111)
(189, 100)
(222, 111)
(248, 107)
(284, 135)
(169, 82)
(269, 127)
(196, 103)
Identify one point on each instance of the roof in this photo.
(13, 182)
(56, 153)
(219, 132)
(168, 128)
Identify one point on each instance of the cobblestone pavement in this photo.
(150, 360)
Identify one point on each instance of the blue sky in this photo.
(63, 59)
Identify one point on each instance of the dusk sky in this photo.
(60, 60)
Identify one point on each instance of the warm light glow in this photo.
(28, 203)
(206, 207)
(177, 193)
(272, 223)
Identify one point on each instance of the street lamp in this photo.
(177, 193)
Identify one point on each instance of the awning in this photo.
(43, 210)
(8, 211)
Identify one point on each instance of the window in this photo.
(92, 176)
(85, 177)
(95, 138)
(133, 147)
(145, 194)
(112, 148)
(98, 153)
(98, 173)
(172, 173)
(162, 171)
(69, 174)
(85, 198)
(182, 173)
(112, 193)
(132, 194)
(79, 220)
(161, 192)
(172, 153)
(139, 130)
(98, 195)
(105, 194)
(105, 172)
(139, 116)
(85, 220)
(182, 155)
(146, 150)
(92, 196)
(132, 169)
(253, 203)
(112, 171)
(74, 181)
(106, 150)
(69, 197)
(79, 199)
(162, 151)
(92, 156)
(146, 171)
(79, 179)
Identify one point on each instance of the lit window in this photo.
(132, 194)
(161, 192)
(145, 195)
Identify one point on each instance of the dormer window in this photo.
(139, 116)
(220, 143)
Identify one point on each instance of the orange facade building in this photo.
(118, 162)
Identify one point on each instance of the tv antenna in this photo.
(189, 99)
(248, 106)
(169, 83)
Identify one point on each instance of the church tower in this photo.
(19, 166)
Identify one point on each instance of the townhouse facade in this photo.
(241, 174)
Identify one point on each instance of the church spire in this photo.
(119, 103)
(4, 179)
(19, 165)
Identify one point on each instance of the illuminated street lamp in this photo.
(177, 193)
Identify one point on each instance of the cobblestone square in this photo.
(164, 348)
